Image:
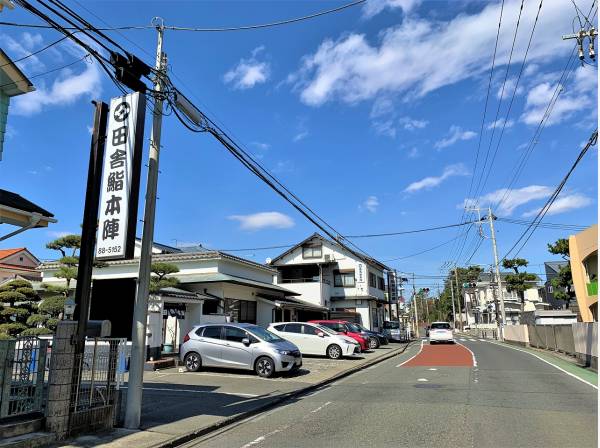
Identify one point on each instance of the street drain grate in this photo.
(428, 386)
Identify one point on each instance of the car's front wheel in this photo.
(334, 351)
(192, 362)
(373, 343)
(264, 367)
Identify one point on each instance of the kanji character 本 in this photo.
(113, 205)
(115, 181)
(117, 159)
(110, 229)
(119, 136)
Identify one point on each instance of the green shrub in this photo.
(36, 331)
(12, 329)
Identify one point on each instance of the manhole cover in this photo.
(427, 386)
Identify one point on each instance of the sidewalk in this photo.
(179, 406)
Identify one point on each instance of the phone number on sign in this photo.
(109, 250)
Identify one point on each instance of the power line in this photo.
(36, 52)
(423, 251)
(373, 235)
(548, 225)
(195, 29)
(540, 215)
(48, 71)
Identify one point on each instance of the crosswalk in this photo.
(471, 340)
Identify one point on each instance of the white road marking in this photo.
(168, 389)
(547, 362)
(472, 354)
(320, 407)
(463, 339)
(432, 368)
(264, 437)
(423, 380)
(482, 340)
(473, 340)
(404, 362)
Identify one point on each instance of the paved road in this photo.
(477, 394)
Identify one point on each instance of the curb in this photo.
(177, 441)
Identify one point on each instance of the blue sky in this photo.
(371, 115)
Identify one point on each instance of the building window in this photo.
(550, 289)
(344, 279)
(312, 251)
(380, 283)
(372, 280)
(242, 311)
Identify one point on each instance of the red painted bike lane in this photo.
(452, 355)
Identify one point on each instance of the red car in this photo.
(341, 326)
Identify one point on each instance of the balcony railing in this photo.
(592, 288)
(300, 280)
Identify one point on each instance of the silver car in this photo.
(238, 346)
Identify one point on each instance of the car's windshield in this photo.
(393, 325)
(263, 334)
(354, 327)
(325, 329)
(440, 326)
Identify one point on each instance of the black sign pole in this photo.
(90, 221)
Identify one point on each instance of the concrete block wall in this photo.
(60, 379)
(517, 334)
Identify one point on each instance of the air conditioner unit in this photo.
(327, 257)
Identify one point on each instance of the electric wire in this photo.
(542, 212)
(423, 251)
(46, 47)
(47, 72)
(221, 29)
(405, 232)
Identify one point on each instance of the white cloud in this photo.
(370, 204)
(67, 88)
(374, 7)
(406, 57)
(413, 153)
(283, 166)
(59, 234)
(499, 123)
(248, 72)
(410, 124)
(515, 198)
(300, 136)
(263, 220)
(455, 134)
(581, 95)
(563, 204)
(27, 44)
(458, 169)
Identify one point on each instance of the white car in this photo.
(313, 339)
(440, 332)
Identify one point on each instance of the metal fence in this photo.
(98, 376)
(22, 372)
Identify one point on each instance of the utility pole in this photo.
(460, 321)
(416, 310)
(453, 309)
(491, 219)
(140, 312)
(580, 37)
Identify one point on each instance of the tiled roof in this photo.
(8, 252)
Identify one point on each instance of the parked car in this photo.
(238, 346)
(376, 339)
(343, 327)
(440, 332)
(313, 339)
(393, 331)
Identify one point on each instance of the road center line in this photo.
(547, 362)
(320, 407)
(416, 354)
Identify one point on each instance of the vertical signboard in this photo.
(121, 178)
(392, 288)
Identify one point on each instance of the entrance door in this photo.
(235, 354)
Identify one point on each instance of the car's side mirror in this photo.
(321, 334)
(246, 341)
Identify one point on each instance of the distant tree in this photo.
(519, 281)
(68, 246)
(562, 284)
(160, 280)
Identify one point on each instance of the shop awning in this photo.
(292, 303)
(179, 293)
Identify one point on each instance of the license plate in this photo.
(298, 362)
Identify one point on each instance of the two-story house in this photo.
(482, 300)
(331, 275)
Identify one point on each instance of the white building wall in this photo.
(264, 313)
